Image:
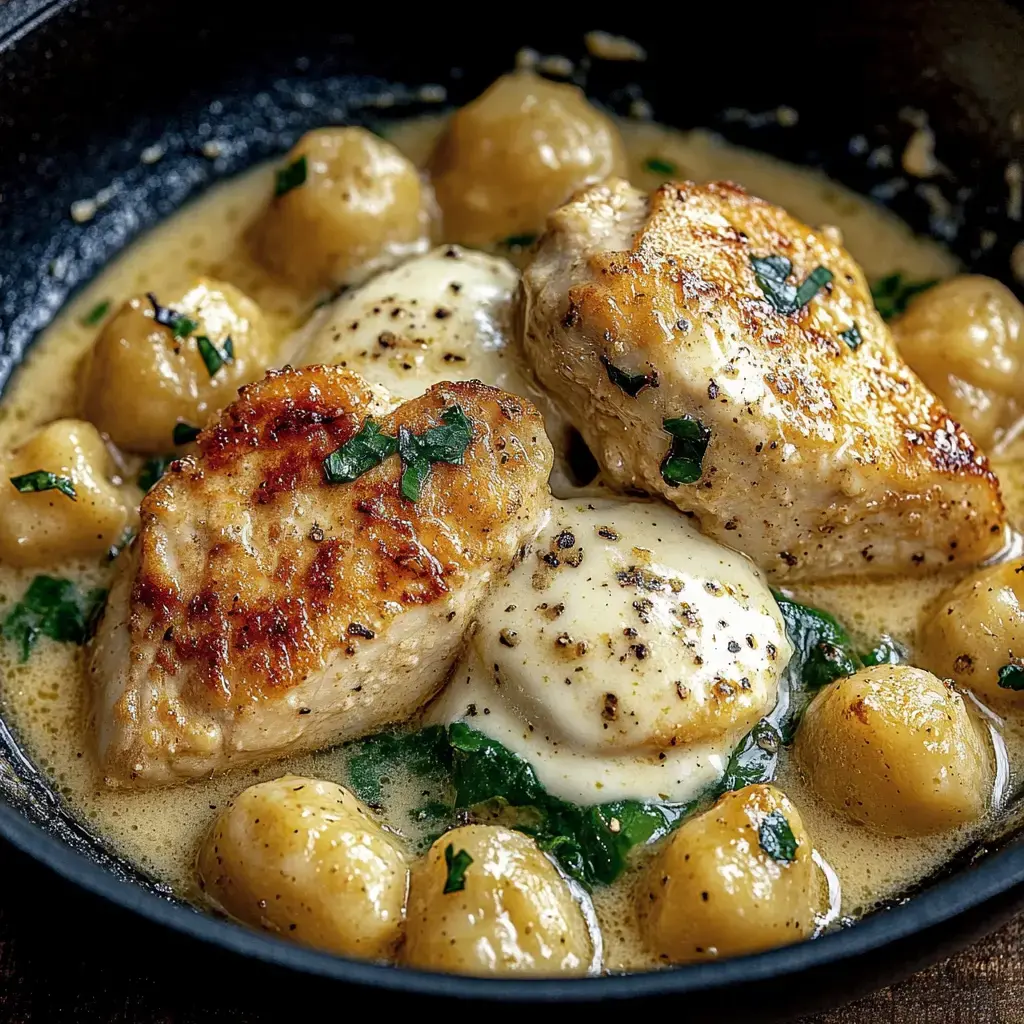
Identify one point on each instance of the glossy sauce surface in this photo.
(43, 698)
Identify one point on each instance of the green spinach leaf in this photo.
(822, 652)
(754, 760)
(53, 607)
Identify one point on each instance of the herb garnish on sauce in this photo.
(43, 480)
(776, 838)
(291, 176)
(96, 314)
(181, 326)
(683, 462)
(1011, 677)
(53, 607)
(458, 864)
(369, 447)
(771, 273)
(630, 383)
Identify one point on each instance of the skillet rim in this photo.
(969, 888)
(973, 886)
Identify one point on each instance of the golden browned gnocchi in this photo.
(976, 633)
(487, 901)
(516, 152)
(893, 748)
(80, 513)
(304, 858)
(736, 879)
(965, 339)
(155, 365)
(346, 203)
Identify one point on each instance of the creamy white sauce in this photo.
(624, 657)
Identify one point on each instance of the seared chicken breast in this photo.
(714, 350)
(265, 609)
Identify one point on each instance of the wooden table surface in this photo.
(66, 957)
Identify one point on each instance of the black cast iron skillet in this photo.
(85, 86)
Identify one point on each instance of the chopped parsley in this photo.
(184, 433)
(96, 314)
(683, 462)
(369, 447)
(291, 176)
(657, 165)
(631, 383)
(184, 326)
(892, 294)
(1011, 677)
(446, 443)
(771, 273)
(181, 326)
(154, 468)
(458, 865)
(213, 357)
(359, 454)
(53, 607)
(852, 337)
(776, 838)
(43, 480)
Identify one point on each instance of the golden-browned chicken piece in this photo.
(714, 350)
(298, 581)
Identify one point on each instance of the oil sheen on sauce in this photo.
(43, 699)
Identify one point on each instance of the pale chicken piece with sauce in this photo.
(714, 350)
(443, 316)
(265, 609)
(624, 657)
(446, 315)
